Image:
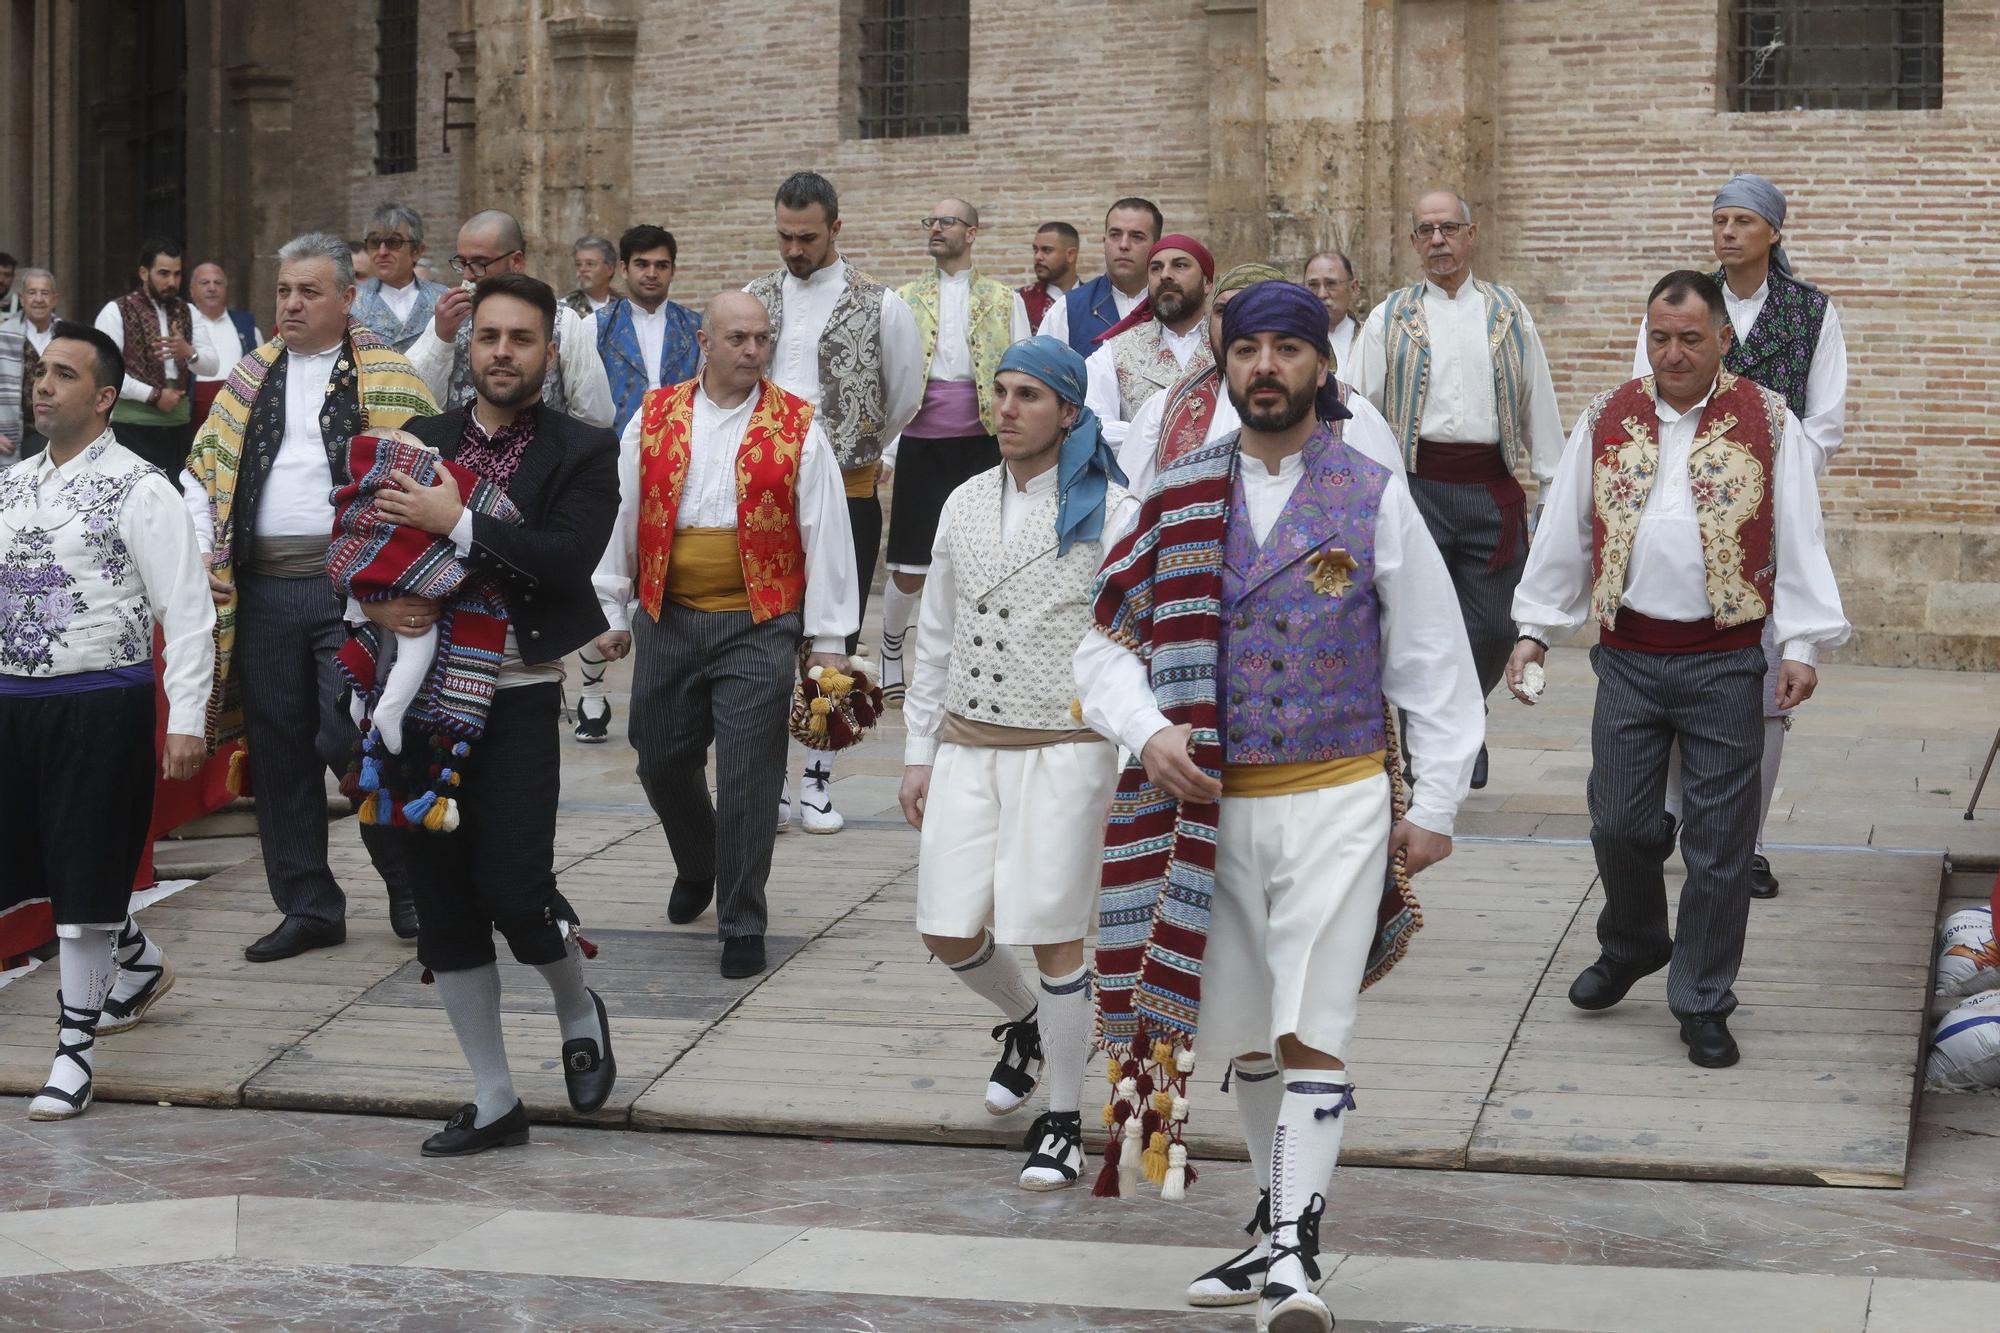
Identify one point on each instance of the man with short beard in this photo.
(1278, 592)
(1160, 341)
(1054, 250)
(163, 353)
(496, 871)
(1275, 597)
(259, 486)
(1081, 317)
(1455, 364)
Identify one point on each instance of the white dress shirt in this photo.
(586, 390)
(206, 363)
(1458, 399)
(808, 304)
(1139, 455)
(38, 338)
(156, 531)
(1665, 576)
(832, 609)
(1056, 323)
(224, 339)
(1100, 393)
(1825, 419)
(296, 496)
(400, 300)
(1020, 327)
(923, 704)
(1341, 336)
(1426, 658)
(650, 327)
(951, 359)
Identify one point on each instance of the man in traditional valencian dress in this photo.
(95, 550)
(733, 527)
(1158, 343)
(1197, 410)
(1684, 515)
(1250, 889)
(847, 346)
(1455, 364)
(1788, 338)
(1007, 785)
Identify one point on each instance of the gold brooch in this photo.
(1330, 570)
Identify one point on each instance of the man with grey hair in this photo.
(596, 260)
(24, 336)
(1456, 366)
(395, 302)
(491, 242)
(1330, 277)
(258, 489)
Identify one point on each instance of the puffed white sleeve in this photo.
(923, 703)
(1554, 593)
(833, 588)
(1367, 364)
(613, 578)
(194, 497)
(1055, 323)
(1544, 421)
(430, 356)
(156, 530)
(1806, 614)
(112, 325)
(902, 365)
(1825, 419)
(1138, 455)
(586, 388)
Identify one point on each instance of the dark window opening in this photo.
(915, 60)
(1813, 55)
(395, 86)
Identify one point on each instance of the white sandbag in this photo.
(1965, 1053)
(1968, 959)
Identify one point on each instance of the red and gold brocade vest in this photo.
(767, 494)
(1730, 484)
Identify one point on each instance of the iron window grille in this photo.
(395, 86)
(915, 61)
(1817, 55)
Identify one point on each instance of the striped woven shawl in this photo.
(390, 393)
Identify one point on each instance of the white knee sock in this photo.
(133, 950)
(1259, 1092)
(816, 784)
(472, 1000)
(575, 1010)
(899, 612)
(1303, 1153)
(408, 666)
(87, 963)
(1065, 1027)
(592, 669)
(995, 974)
(1774, 753)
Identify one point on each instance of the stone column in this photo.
(1238, 230)
(262, 157)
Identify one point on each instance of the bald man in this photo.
(750, 552)
(491, 242)
(231, 332)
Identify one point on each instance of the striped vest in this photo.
(1406, 347)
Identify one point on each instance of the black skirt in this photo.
(79, 800)
(927, 472)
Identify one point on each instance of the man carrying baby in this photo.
(497, 869)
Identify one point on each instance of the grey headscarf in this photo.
(1747, 190)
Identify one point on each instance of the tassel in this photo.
(1163, 1103)
(371, 774)
(434, 817)
(366, 811)
(350, 782)
(1128, 1159)
(1107, 1178)
(1110, 1116)
(1154, 1162)
(1178, 1113)
(415, 810)
(1185, 1060)
(1111, 1072)
(1174, 1188)
(1163, 1052)
(430, 979)
(450, 817)
(588, 949)
(238, 777)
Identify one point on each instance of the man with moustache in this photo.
(155, 333)
(596, 261)
(394, 300)
(1330, 277)
(1130, 227)
(1163, 339)
(259, 486)
(1684, 517)
(1276, 594)
(849, 346)
(1054, 250)
(1455, 364)
(496, 871)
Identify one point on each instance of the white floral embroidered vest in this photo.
(1145, 366)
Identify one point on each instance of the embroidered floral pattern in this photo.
(1778, 351)
(47, 544)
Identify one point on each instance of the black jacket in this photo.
(567, 492)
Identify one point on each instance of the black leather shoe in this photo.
(460, 1138)
(294, 936)
(689, 899)
(1763, 884)
(402, 913)
(1708, 1041)
(589, 1072)
(1479, 770)
(743, 956)
(1604, 983)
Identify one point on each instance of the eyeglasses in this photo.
(1423, 231)
(931, 224)
(476, 267)
(391, 242)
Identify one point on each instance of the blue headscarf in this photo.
(1086, 464)
(1285, 307)
(1767, 201)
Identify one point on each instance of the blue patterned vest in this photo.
(625, 364)
(1301, 622)
(1779, 350)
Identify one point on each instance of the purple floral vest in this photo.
(1778, 351)
(1301, 623)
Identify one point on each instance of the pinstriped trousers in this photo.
(1712, 704)
(715, 677)
(295, 729)
(1465, 524)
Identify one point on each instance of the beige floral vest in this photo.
(852, 395)
(1145, 366)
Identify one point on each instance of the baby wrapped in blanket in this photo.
(444, 677)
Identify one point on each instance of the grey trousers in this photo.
(1465, 524)
(287, 631)
(1712, 705)
(702, 677)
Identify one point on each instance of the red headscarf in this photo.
(1142, 312)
